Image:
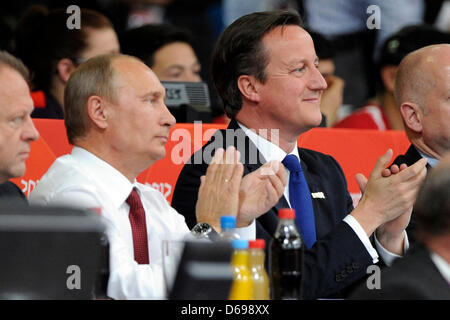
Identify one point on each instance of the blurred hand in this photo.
(260, 191)
(332, 98)
(219, 188)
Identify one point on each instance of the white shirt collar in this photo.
(442, 265)
(269, 150)
(108, 177)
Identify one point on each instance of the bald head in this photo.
(417, 74)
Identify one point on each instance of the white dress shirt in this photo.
(83, 180)
(442, 265)
(271, 151)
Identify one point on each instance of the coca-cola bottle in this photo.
(286, 258)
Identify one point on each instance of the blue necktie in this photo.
(300, 199)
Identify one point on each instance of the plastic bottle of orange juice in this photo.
(258, 274)
(241, 288)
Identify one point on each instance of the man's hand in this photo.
(219, 189)
(388, 196)
(260, 191)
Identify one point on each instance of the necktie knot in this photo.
(292, 163)
(133, 200)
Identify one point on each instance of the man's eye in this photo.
(17, 120)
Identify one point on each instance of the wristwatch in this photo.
(204, 230)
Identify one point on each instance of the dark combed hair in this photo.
(432, 207)
(42, 38)
(240, 51)
(144, 41)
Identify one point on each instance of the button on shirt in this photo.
(270, 152)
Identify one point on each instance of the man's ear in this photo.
(65, 67)
(248, 87)
(97, 111)
(388, 76)
(412, 116)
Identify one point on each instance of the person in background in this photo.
(424, 272)
(381, 112)
(332, 97)
(52, 51)
(168, 50)
(17, 130)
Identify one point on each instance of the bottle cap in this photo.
(228, 222)
(286, 213)
(257, 244)
(239, 244)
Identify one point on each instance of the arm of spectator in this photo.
(332, 99)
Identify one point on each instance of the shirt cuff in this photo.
(387, 256)
(354, 224)
(247, 233)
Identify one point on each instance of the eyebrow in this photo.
(295, 62)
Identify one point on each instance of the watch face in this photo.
(201, 228)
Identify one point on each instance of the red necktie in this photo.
(138, 227)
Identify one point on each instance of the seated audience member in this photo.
(52, 51)
(332, 97)
(16, 127)
(424, 272)
(265, 69)
(422, 87)
(167, 49)
(116, 119)
(381, 112)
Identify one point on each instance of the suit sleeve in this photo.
(185, 195)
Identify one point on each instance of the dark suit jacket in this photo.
(415, 276)
(410, 157)
(338, 258)
(10, 192)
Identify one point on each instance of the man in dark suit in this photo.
(265, 70)
(421, 92)
(16, 127)
(424, 272)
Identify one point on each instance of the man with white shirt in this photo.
(422, 89)
(116, 119)
(265, 69)
(424, 272)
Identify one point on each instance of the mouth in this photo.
(312, 100)
(24, 155)
(163, 138)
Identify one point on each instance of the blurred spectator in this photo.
(357, 47)
(332, 97)
(52, 51)
(164, 48)
(168, 50)
(442, 21)
(234, 9)
(381, 112)
(424, 272)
